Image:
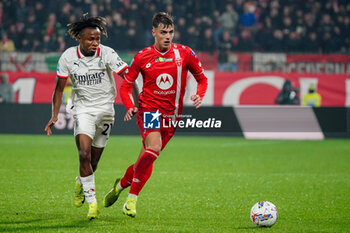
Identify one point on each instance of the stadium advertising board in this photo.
(37, 87)
(262, 88)
(224, 88)
(262, 122)
(301, 63)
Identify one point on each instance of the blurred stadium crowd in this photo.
(293, 26)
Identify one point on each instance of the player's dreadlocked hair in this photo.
(86, 22)
(162, 18)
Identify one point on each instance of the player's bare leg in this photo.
(120, 184)
(95, 157)
(143, 170)
(87, 178)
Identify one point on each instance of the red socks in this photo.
(127, 178)
(143, 170)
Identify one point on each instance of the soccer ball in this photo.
(264, 214)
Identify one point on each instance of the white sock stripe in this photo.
(152, 153)
(132, 196)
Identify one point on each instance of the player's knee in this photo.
(84, 156)
(156, 147)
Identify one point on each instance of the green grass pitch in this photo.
(199, 184)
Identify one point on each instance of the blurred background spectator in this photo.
(312, 98)
(288, 95)
(6, 44)
(225, 46)
(7, 94)
(299, 26)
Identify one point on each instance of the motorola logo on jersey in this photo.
(164, 81)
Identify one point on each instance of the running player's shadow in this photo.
(21, 221)
(249, 228)
(17, 226)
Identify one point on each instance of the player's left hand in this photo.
(49, 125)
(130, 113)
(197, 101)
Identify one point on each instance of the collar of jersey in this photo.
(81, 55)
(165, 51)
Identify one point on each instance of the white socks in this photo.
(119, 187)
(88, 183)
(133, 196)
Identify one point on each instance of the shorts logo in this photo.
(151, 120)
(164, 81)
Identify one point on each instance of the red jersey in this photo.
(164, 78)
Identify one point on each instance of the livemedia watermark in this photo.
(154, 120)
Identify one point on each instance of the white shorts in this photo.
(96, 126)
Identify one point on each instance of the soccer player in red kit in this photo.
(164, 67)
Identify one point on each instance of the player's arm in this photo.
(134, 91)
(202, 85)
(56, 103)
(125, 94)
(196, 69)
(120, 67)
(126, 89)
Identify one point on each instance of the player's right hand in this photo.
(49, 125)
(197, 101)
(130, 113)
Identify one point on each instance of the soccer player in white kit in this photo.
(90, 67)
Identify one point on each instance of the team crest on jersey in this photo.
(178, 61)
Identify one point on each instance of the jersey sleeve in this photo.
(193, 63)
(133, 71)
(195, 67)
(131, 75)
(62, 68)
(114, 62)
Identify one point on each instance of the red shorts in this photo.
(166, 133)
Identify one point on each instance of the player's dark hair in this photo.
(85, 22)
(162, 18)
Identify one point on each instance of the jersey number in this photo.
(108, 126)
